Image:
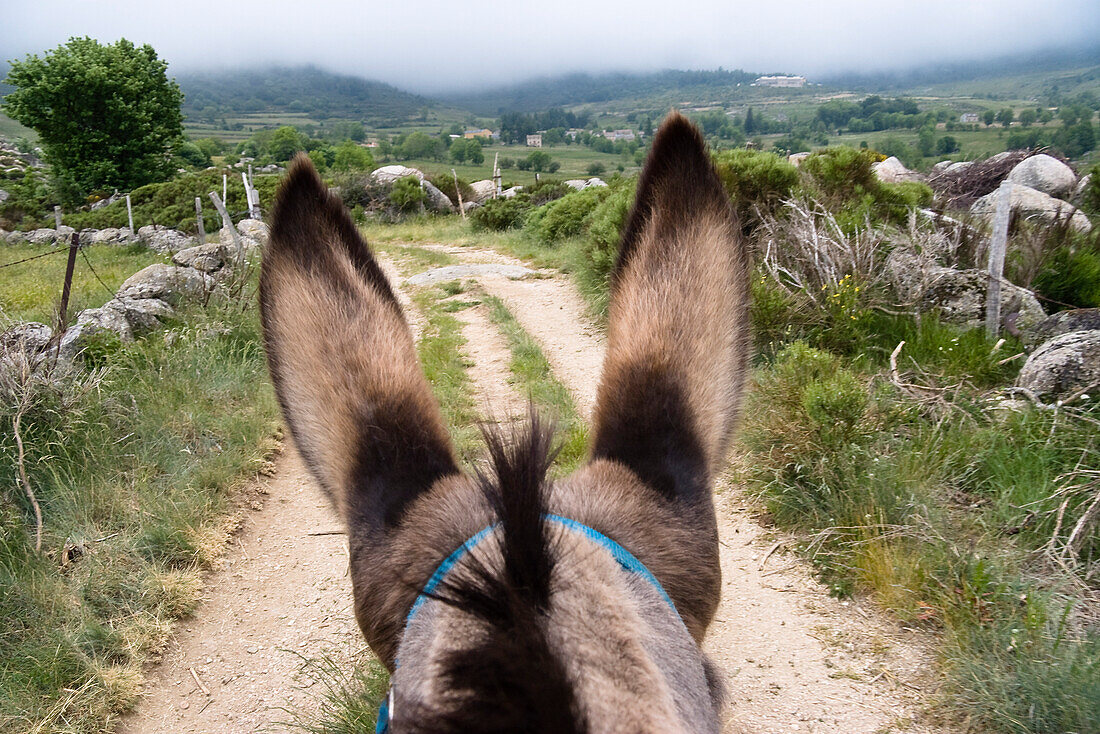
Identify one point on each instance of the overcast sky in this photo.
(431, 46)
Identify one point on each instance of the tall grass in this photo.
(133, 465)
(947, 514)
(31, 291)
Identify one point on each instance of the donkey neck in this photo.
(633, 665)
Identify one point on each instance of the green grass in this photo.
(942, 511)
(134, 464)
(534, 377)
(31, 291)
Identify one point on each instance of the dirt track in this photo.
(795, 659)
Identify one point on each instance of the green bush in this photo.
(1071, 275)
(844, 180)
(841, 173)
(446, 184)
(594, 256)
(757, 181)
(500, 214)
(407, 194)
(565, 217)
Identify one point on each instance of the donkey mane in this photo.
(511, 680)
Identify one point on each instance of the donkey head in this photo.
(502, 601)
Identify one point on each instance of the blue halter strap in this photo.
(622, 556)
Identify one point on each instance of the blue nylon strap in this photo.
(622, 556)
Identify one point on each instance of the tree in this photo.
(285, 142)
(750, 124)
(458, 150)
(988, 117)
(1005, 116)
(1028, 117)
(352, 157)
(107, 116)
(926, 141)
(474, 153)
(947, 145)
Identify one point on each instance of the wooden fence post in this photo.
(198, 218)
(62, 316)
(227, 221)
(225, 186)
(458, 191)
(130, 216)
(997, 247)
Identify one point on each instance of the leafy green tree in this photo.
(474, 152)
(988, 117)
(107, 116)
(926, 141)
(1005, 116)
(1028, 117)
(947, 145)
(458, 150)
(192, 154)
(596, 169)
(419, 145)
(538, 160)
(285, 142)
(351, 157)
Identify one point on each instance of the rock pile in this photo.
(147, 299)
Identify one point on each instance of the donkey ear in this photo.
(678, 327)
(343, 360)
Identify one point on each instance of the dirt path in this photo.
(280, 596)
(795, 659)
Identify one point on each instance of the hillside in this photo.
(664, 87)
(296, 90)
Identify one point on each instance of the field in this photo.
(31, 291)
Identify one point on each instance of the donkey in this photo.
(503, 600)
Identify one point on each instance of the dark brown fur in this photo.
(368, 427)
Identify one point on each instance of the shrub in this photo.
(841, 173)
(446, 184)
(757, 181)
(595, 169)
(546, 191)
(565, 217)
(595, 256)
(1071, 275)
(501, 214)
(406, 194)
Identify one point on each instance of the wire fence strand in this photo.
(35, 257)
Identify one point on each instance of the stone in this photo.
(942, 166)
(1029, 203)
(254, 228)
(389, 174)
(1062, 366)
(576, 184)
(90, 322)
(27, 336)
(1063, 322)
(46, 236)
(795, 159)
(142, 314)
(437, 201)
(164, 241)
(469, 206)
(956, 168)
(109, 236)
(483, 190)
(1078, 197)
(1044, 173)
(170, 283)
(959, 295)
(4, 195)
(454, 272)
(206, 258)
(892, 170)
(16, 238)
(509, 193)
(595, 182)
